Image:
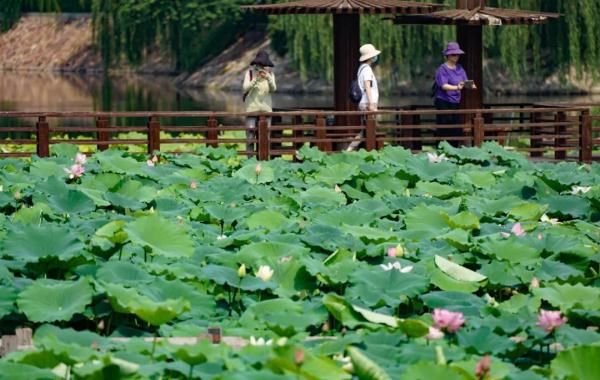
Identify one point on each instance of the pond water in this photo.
(23, 91)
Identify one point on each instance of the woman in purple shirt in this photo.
(450, 79)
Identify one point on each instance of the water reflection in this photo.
(24, 91)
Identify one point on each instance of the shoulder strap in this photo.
(362, 67)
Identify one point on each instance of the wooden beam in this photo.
(470, 39)
(346, 43)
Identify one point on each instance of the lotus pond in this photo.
(460, 264)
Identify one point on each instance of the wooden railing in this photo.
(542, 131)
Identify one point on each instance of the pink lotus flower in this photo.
(535, 283)
(448, 321)
(194, 185)
(518, 230)
(550, 320)
(337, 189)
(483, 367)
(391, 252)
(80, 158)
(75, 171)
(258, 169)
(150, 163)
(434, 334)
(155, 159)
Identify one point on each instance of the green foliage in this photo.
(150, 254)
(191, 31)
(414, 50)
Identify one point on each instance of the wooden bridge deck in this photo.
(542, 131)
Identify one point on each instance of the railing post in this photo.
(263, 139)
(43, 137)
(297, 133)
(477, 124)
(153, 135)
(321, 134)
(534, 118)
(371, 133)
(212, 133)
(102, 122)
(585, 137)
(560, 117)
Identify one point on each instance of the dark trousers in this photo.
(448, 120)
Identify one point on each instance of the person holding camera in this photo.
(259, 84)
(450, 80)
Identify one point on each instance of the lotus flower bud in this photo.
(242, 271)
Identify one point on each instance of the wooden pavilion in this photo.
(469, 17)
(346, 32)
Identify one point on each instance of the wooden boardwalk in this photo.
(545, 132)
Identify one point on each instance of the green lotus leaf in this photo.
(368, 233)
(122, 272)
(476, 178)
(336, 174)
(152, 310)
(374, 317)
(426, 171)
(511, 250)
(456, 271)
(128, 203)
(32, 215)
(194, 355)
(447, 283)
(464, 220)
(46, 301)
(17, 371)
(375, 286)
(330, 273)
(48, 168)
(36, 242)
(248, 173)
(224, 275)
(490, 206)
(528, 211)
(112, 161)
(385, 183)
(413, 328)
(366, 368)
(568, 296)
(269, 219)
(162, 236)
(437, 190)
(284, 316)
(426, 221)
(8, 297)
(343, 311)
(71, 202)
(226, 214)
(484, 341)
(458, 238)
(113, 231)
(428, 371)
(581, 363)
(255, 254)
(321, 196)
(569, 205)
(466, 303)
(70, 336)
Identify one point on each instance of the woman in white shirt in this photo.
(366, 78)
(368, 86)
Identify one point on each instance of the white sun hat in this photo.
(368, 51)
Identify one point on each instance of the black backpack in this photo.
(355, 91)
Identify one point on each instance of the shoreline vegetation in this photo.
(78, 42)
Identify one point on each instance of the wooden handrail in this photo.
(560, 129)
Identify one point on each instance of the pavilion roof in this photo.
(346, 7)
(479, 16)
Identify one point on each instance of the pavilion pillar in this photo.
(346, 43)
(470, 39)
